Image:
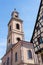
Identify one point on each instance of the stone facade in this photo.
(21, 48)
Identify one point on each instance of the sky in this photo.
(27, 9)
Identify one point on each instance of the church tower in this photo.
(15, 29)
(37, 37)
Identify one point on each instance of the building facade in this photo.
(19, 52)
(37, 37)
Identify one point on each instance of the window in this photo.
(42, 17)
(10, 28)
(16, 15)
(16, 57)
(40, 40)
(9, 41)
(18, 39)
(17, 26)
(4, 63)
(8, 61)
(29, 54)
(42, 57)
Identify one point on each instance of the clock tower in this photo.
(15, 29)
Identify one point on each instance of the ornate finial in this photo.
(14, 13)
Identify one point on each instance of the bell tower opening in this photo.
(17, 26)
(15, 14)
(18, 39)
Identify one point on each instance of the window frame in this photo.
(10, 28)
(16, 58)
(9, 41)
(17, 26)
(18, 39)
(40, 41)
(29, 52)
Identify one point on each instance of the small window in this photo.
(16, 15)
(17, 26)
(18, 39)
(8, 61)
(40, 40)
(4, 63)
(29, 54)
(9, 41)
(42, 57)
(16, 57)
(10, 28)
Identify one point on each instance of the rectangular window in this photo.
(16, 57)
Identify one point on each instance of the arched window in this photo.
(8, 61)
(16, 57)
(16, 15)
(10, 28)
(17, 26)
(29, 54)
(9, 41)
(18, 39)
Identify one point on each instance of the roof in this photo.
(17, 19)
(21, 42)
(36, 22)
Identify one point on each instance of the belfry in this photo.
(15, 29)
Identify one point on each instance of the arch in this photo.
(9, 41)
(10, 27)
(17, 26)
(16, 57)
(18, 39)
(29, 54)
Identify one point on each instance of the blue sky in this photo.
(27, 9)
